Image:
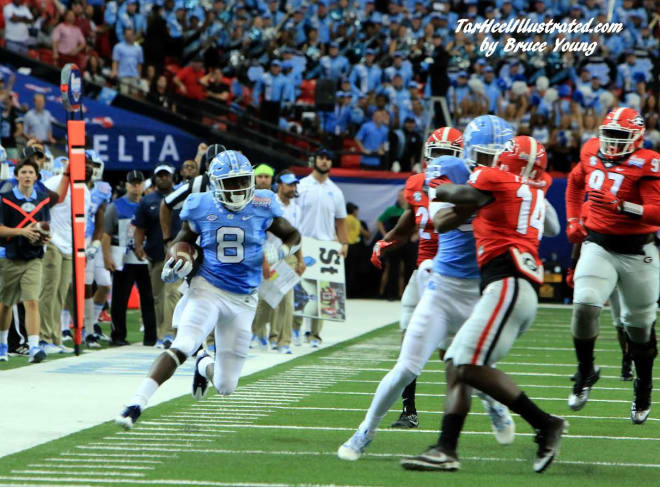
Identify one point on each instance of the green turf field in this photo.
(284, 425)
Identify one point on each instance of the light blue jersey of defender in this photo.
(232, 241)
(456, 255)
(100, 193)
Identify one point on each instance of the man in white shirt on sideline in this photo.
(57, 266)
(322, 215)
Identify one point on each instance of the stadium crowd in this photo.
(384, 61)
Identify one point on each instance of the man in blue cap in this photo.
(334, 65)
(399, 66)
(281, 317)
(366, 76)
(274, 87)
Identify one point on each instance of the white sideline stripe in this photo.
(55, 472)
(176, 482)
(82, 465)
(168, 435)
(226, 409)
(489, 433)
(94, 460)
(536, 398)
(157, 438)
(420, 411)
(122, 455)
(401, 454)
(441, 371)
(442, 383)
(498, 363)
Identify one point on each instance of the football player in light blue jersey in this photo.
(230, 221)
(95, 271)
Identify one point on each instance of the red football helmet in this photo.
(621, 133)
(523, 156)
(445, 141)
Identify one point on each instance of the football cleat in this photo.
(98, 331)
(36, 355)
(501, 421)
(66, 335)
(167, 341)
(65, 349)
(159, 344)
(286, 349)
(355, 446)
(200, 383)
(435, 458)
(314, 343)
(51, 349)
(580, 393)
(92, 341)
(406, 421)
(627, 368)
(548, 439)
(128, 417)
(4, 352)
(641, 405)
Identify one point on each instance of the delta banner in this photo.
(123, 139)
(373, 191)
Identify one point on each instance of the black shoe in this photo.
(128, 417)
(580, 393)
(92, 342)
(22, 350)
(406, 421)
(548, 439)
(435, 458)
(99, 333)
(118, 342)
(641, 406)
(627, 368)
(200, 383)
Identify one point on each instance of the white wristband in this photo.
(632, 209)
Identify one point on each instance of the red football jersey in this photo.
(419, 204)
(514, 221)
(636, 179)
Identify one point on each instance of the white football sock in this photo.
(98, 309)
(89, 316)
(65, 318)
(388, 392)
(33, 341)
(144, 393)
(202, 366)
(3, 337)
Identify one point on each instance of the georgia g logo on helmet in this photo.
(621, 133)
(524, 156)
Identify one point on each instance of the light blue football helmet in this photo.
(59, 164)
(484, 137)
(451, 167)
(232, 166)
(97, 162)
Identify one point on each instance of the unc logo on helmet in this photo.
(232, 180)
(484, 137)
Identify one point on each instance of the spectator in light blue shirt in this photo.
(334, 65)
(127, 60)
(366, 76)
(401, 67)
(129, 17)
(372, 139)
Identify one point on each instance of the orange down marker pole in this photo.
(76, 138)
(71, 90)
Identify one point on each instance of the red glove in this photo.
(379, 247)
(606, 200)
(569, 277)
(575, 231)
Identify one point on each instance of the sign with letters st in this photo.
(321, 292)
